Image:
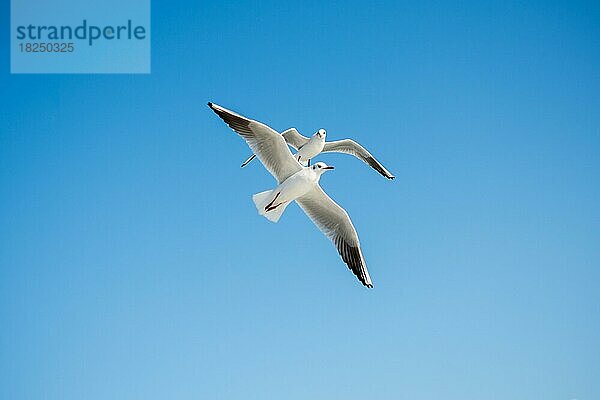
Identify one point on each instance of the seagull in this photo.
(309, 148)
(300, 183)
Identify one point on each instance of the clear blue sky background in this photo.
(133, 264)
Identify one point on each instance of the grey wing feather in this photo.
(269, 146)
(294, 138)
(349, 146)
(335, 223)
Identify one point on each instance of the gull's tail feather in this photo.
(262, 200)
(276, 213)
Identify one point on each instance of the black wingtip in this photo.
(210, 104)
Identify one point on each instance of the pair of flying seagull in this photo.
(298, 180)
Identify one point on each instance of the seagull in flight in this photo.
(309, 148)
(300, 183)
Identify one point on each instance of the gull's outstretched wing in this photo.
(266, 143)
(291, 136)
(335, 223)
(294, 138)
(349, 146)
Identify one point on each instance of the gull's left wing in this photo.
(335, 223)
(349, 146)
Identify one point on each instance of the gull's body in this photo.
(272, 203)
(311, 148)
(297, 183)
(308, 148)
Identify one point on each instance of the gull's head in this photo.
(321, 167)
(321, 133)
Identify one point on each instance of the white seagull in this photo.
(310, 148)
(300, 183)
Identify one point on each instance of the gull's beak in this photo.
(329, 167)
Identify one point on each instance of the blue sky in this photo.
(134, 265)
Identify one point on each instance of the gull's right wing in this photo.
(291, 136)
(270, 147)
(294, 138)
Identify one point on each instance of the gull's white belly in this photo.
(296, 185)
(311, 149)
